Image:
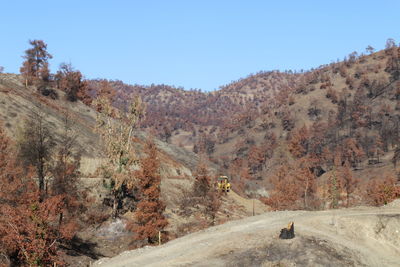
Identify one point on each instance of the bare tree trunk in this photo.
(305, 199)
(305, 196)
(41, 184)
(60, 219)
(115, 207)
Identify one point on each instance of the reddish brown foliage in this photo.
(332, 95)
(381, 191)
(213, 204)
(352, 151)
(202, 183)
(149, 218)
(173, 108)
(72, 83)
(293, 184)
(349, 183)
(299, 141)
(306, 180)
(30, 231)
(245, 173)
(256, 158)
(35, 67)
(285, 193)
(205, 194)
(106, 90)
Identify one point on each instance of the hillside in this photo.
(249, 128)
(347, 237)
(325, 138)
(19, 103)
(97, 229)
(200, 133)
(355, 100)
(177, 115)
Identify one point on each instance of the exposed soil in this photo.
(362, 236)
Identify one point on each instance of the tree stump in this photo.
(288, 232)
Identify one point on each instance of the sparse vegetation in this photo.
(309, 140)
(35, 148)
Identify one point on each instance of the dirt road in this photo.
(361, 236)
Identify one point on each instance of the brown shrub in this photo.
(381, 191)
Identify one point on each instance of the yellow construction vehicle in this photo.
(223, 184)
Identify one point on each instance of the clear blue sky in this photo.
(195, 44)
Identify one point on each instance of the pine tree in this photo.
(36, 66)
(149, 218)
(206, 193)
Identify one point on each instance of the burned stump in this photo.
(288, 232)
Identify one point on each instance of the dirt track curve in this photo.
(360, 236)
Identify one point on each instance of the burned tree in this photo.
(35, 147)
(35, 68)
(72, 83)
(149, 213)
